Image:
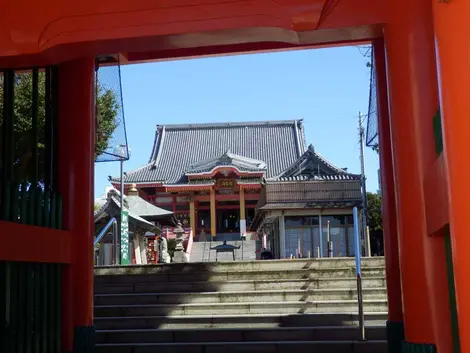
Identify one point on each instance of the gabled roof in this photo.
(113, 203)
(312, 166)
(242, 164)
(138, 208)
(176, 147)
(145, 209)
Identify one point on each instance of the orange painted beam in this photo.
(412, 85)
(365, 12)
(188, 188)
(389, 211)
(53, 31)
(185, 46)
(236, 49)
(50, 23)
(34, 244)
(236, 197)
(206, 198)
(452, 25)
(436, 195)
(437, 218)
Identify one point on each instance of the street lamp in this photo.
(124, 153)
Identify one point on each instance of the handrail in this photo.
(104, 230)
(357, 255)
(112, 222)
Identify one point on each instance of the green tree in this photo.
(374, 215)
(374, 211)
(106, 112)
(107, 108)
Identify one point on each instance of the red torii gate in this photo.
(423, 80)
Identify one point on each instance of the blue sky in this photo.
(325, 87)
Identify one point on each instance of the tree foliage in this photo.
(374, 211)
(106, 112)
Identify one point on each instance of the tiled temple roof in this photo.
(176, 148)
(312, 166)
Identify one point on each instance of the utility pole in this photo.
(365, 235)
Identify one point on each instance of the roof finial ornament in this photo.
(133, 190)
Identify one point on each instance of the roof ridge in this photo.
(323, 177)
(159, 144)
(331, 165)
(311, 150)
(228, 124)
(298, 141)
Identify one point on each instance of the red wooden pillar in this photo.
(76, 171)
(412, 85)
(452, 25)
(395, 329)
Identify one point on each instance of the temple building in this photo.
(229, 179)
(310, 195)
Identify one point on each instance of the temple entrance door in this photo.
(228, 221)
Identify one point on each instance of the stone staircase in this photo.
(257, 306)
(201, 251)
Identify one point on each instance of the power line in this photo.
(367, 48)
(365, 116)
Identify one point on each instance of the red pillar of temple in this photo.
(452, 26)
(412, 86)
(76, 171)
(395, 329)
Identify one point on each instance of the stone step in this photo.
(228, 237)
(238, 321)
(248, 347)
(247, 285)
(271, 265)
(237, 297)
(255, 275)
(330, 306)
(240, 335)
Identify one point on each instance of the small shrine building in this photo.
(145, 222)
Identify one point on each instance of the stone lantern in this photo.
(179, 255)
(179, 231)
